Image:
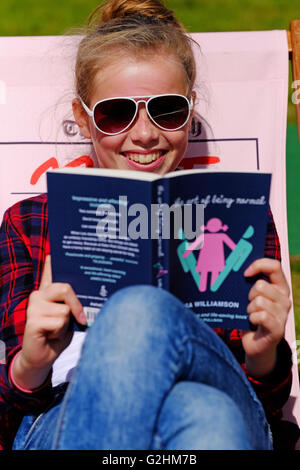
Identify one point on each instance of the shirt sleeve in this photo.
(22, 253)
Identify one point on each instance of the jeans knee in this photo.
(200, 402)
(138, 320)
(201, 417)
(142, 305)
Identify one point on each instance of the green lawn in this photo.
(293, 211)
(55, 17)
(35, 17)
(295, 273)
(295, 268)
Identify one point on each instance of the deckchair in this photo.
(240, 123)
(293, 36)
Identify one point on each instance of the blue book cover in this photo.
(191, 232)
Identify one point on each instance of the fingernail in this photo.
(248, 271)
(82, 318)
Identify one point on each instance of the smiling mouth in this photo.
(144, 159)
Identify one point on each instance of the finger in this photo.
(276, 315)
(261, 303)
(262, 287)
(56, 327)
(273, 269)
(265, 289)
(56, 309)
(63, 292)
(265, 320)
(268, 314)
(46, 279)
(52, 327)
(56, 296)
(42, 309)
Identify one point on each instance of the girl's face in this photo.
(127, 151)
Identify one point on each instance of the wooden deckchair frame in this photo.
(293, 36)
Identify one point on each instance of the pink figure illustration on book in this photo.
(161, 270)
(211, 258)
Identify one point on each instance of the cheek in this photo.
(106, 147)
(179, 143)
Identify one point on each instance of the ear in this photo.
(194, 97)
(81, 118)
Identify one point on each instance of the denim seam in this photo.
(60, 423)
(33, 428)
(37, 420)
(35, 425)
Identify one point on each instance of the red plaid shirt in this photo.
(24, 245)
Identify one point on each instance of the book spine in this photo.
(160, 243)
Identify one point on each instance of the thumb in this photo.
(46, 279)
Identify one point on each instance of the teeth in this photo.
(140, 158)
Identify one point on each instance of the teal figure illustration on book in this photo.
(236, 258)
(190, 263)
(211, 258)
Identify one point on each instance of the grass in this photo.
(56, 17)
(234, 15)
(33, 17)
(295, 273)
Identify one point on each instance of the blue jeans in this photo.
(151, 376)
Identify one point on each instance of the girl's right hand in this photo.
(47, 331)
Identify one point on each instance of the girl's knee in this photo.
(132, 318)
(143, 304)
(201, 417)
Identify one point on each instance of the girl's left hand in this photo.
(268, 310)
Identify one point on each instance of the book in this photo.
(191, 232)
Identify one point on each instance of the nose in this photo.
(144, 132)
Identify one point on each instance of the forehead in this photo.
(131, 76)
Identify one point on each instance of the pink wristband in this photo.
(25, 390)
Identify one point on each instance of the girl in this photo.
(151, 375)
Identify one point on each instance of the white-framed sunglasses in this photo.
(115, 115)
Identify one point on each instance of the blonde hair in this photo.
(136, 27)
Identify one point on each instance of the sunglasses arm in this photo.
(85, 107)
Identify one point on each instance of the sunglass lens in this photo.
(170, 112)
(113, 116)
